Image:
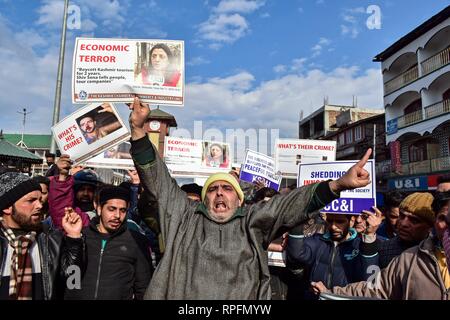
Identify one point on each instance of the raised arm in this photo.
(153, 173)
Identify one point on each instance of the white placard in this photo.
(188, 157)
(115, 157)
(351, 201)
(289, 153)
(117, 70)
(260, 167)
(89, 131)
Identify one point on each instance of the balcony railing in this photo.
(401, 80)
(435, 62)
(437, 109)
(409, 119)
(385, 169)
(440, 164)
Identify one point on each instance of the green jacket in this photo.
(204, 259)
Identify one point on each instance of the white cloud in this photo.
(235, 102)
(227, 23)
(265, 15)
(317, 48)
(108, 13)
(298, 64)
(198, 61)
(352, 20)
(51, 14)
(239, 6)
(224, 28)
(280, 68)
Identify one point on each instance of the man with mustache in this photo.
(216, 248)
(118, 262)
(34, 257)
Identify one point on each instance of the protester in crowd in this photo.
(441, 203)
(419, 273)
(443, 183)
(414, 224)
(34, 257)
(44, 183)
(216, 157)
(162, 69)
(215, 249)
(118, 263)
(90, 127)
(339, 256)
(52, 168)
(388, 228)
(193, 191)
(66, 190)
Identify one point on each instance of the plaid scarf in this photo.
(446, 245)
(20, 283)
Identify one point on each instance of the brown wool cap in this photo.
(419, 204)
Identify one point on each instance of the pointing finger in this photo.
(361, 163)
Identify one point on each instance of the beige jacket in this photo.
(413, 275)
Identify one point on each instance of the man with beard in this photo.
(118, 262)
(34, 257)
(216, 248)
(418, 273)
(67, 191)
(339, 256)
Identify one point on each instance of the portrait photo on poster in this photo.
(158, 64)
(98, 123)
(215, 155)
(120, 151)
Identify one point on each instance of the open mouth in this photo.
(220, 205)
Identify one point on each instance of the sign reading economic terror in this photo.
(289, 153)
(259, 167)
(89, 131)
(188, 157)
(116, 70)
(351, 201)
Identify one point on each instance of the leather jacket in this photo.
(57, 253)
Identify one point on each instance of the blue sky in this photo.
(249, 63)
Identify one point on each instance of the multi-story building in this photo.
(325, 120)
(416, 77)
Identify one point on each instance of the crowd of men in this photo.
(70, 236)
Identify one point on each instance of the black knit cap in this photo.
(108, 193)
(13, 186)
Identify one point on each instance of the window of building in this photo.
(417, 152)
(358, 133)
(348, 136)
(341, 140)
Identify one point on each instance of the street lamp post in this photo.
(57, 102)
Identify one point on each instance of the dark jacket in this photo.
(117, 266)
(204, 259)
(334, 265)
(57, 254)
(391, 248)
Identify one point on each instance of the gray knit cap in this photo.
(14, 186)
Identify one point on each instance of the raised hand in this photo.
(356, 177)
(373, 220)
(72, 223)
(138, 117)
(64, 165)
(134, 176)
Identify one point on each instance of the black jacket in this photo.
(57, 254)
(117, 266)
(334, 265)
